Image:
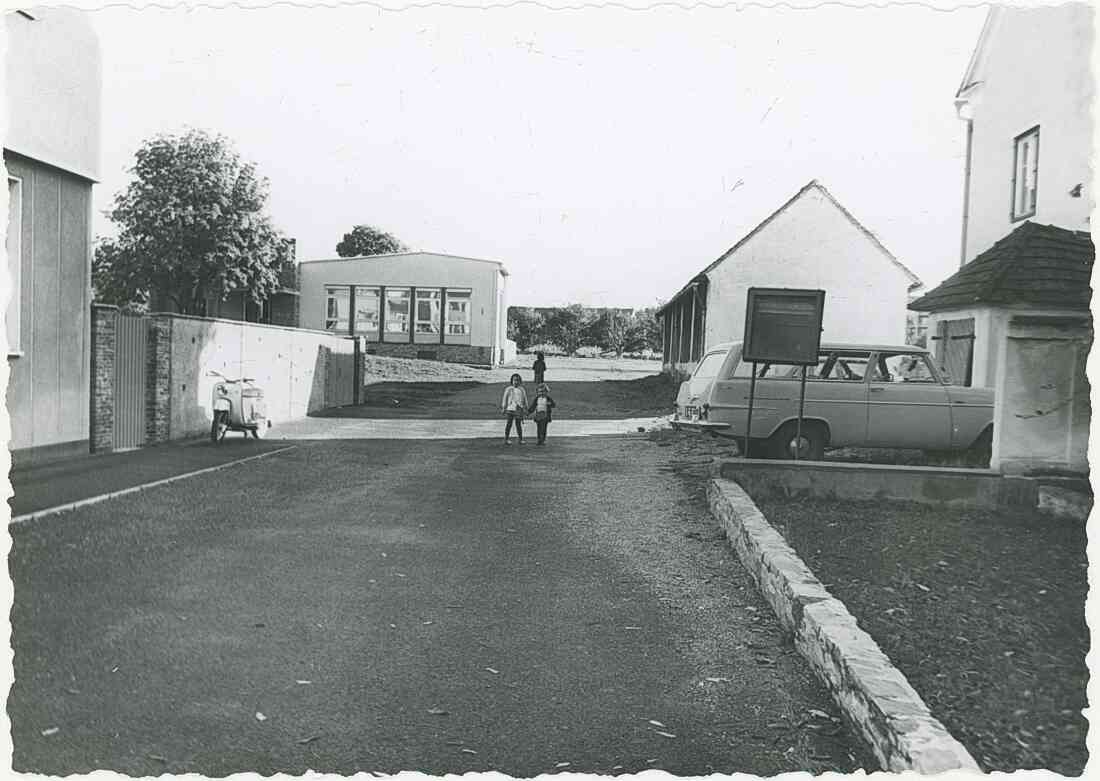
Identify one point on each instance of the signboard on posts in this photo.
(783, 325)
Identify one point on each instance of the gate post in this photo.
(102, 412)
(158, 379)
(356, 371)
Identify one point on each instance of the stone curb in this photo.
(873, 694)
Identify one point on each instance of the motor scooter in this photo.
(238, 405)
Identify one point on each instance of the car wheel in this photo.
(811, 447)
(982, 450)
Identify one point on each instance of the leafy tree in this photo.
(367, 240)
(616, 331)
(567, 327)
(525, 326)
(650, 334)
(191, 224)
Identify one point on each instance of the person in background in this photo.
(539, 368)
(514, 405)
(541, 409)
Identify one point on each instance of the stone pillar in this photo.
(102, 412)
(158, 380)
(1042, 411)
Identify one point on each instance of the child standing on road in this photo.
(539, 368)
(540, 408)
(514, 404)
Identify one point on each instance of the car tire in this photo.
(982, 450)
(814, 438)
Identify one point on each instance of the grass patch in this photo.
(983, 611)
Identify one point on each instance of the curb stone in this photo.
(873, 694)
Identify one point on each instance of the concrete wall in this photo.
(1042, 411)
(488, 305)
(1035, 71)
(53, 85)
(299, 371)
(812, 244)
(48, 389)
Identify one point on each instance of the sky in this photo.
(604, 155)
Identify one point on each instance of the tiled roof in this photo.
(1039, 265)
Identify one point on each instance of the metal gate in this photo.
(955, 350)
(129, 387)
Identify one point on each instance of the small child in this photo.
(514, 404)
(541, 407)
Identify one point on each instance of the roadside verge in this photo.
(873, 694)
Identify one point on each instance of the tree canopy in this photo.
(192, 223)
(368, 240)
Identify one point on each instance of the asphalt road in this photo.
(408, 605)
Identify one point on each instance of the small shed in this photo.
(1017, 319)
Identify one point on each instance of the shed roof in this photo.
(1040, 265)
(813, 185)
(383, 256)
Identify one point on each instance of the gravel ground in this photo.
(982, 611)
(384, 369)
(433, 606)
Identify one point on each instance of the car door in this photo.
(836, 392)
(908, 406)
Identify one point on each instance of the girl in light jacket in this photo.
(514, 405)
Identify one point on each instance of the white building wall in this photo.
(1035, 71)
(415, 269)
(812, 244)
(53, 86)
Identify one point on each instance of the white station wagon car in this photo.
(856, 396)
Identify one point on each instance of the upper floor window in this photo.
(1025, 175)
(15, 262)
(458, 312)
(337, 308)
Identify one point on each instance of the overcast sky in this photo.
(604, 155)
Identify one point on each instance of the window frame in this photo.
(1028, 210)
(464, 296)
(13, 324)
(391, 294)
(370, 332)
(429, 295)
(335, 293)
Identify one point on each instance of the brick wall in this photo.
(102, 412)
(448, 353)
(158, 380)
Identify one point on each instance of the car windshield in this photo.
(709, 366)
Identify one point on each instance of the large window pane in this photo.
(397, 310)
(368, 306)
(427, 311)
(337, 308)
(458, 312)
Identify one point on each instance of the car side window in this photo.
(903, 367)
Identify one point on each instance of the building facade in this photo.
(1016, 316)
(51, 153)
(411, 304)
(809, 242)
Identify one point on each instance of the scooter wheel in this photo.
(260, 431)
(218, 428)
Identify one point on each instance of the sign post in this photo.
(782, 325)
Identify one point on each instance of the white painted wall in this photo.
(419, 269)
(812, 244)
(53, 84)
(1035, 71)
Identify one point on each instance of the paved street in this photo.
(443, 606)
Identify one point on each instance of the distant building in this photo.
(411, 304)
(51, 152)
(280, 308)
(1016, 316)
(812, 242)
